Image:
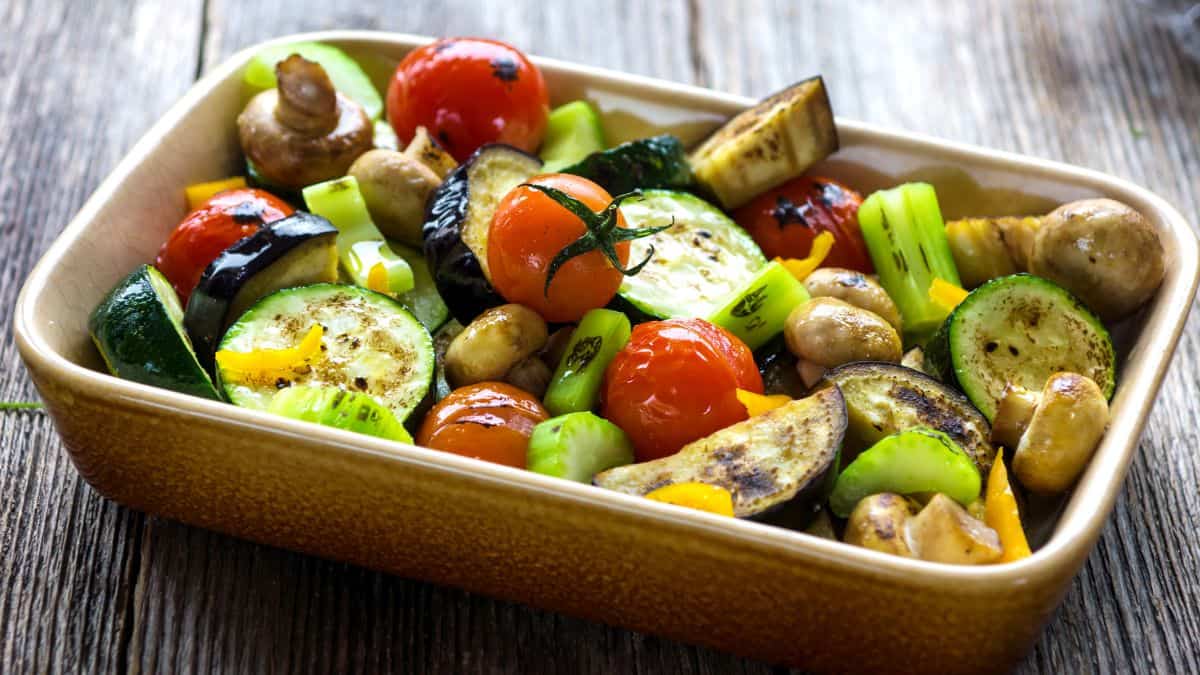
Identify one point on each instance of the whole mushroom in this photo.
(303, 131)
(395, 187)
(1062, 434)
(500, 345)
(1103, 251)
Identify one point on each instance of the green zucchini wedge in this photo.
(655, 162)
(698, 263)
(340, 409)
(457, 219)
(370, 344)
(1019, 330)
(782, 457)
(884, 398)
(138, 329)
(295, 251)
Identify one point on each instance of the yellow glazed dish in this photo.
(741, 586)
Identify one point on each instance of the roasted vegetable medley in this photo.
(458, 265)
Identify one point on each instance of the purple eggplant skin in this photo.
(456, 269)
(294, 251)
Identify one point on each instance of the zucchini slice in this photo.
(295, 251)
(371, 344)
(138, 329)
(776, 140)
(698, 263)
(780, 457)
(883, 398)
(1019, 330)
(655, 162)
(340, 409)
(458, 216)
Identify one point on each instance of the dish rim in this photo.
(1085, 512)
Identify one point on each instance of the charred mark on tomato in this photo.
(788, 212)
(443, 137)
(505, 69)
(249, 211)
(830, 194)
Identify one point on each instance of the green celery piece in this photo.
(756, 312)
(573, 131)
(916, 460)
(332, 407)
(360, 244)
(576, 383)
(345, 73)
(906, 238)
(577, 446)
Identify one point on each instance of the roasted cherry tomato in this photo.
(222, 220)
(784, 221)
(490, 420)
(469, 92)
(676, 381)
(529, 229)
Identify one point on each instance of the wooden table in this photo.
(91, 586)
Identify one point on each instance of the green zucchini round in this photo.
(371, 344)
(1019, 330)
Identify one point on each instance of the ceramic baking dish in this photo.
(741, 586)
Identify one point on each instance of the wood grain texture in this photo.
(95, 587)
(71, 103)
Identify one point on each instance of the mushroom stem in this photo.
(307, 97)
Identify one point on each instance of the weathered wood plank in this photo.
(79, 83)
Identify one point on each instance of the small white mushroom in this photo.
(830, 332)
(395, 188)
(855, 288)
(493, 344)
(1062, 435)
(880, 522)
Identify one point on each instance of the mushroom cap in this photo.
(293, 159)
(879, 522)
(1103, 251)
(395, 187)
(1062, 435)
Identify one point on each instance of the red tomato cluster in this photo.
(224, 219)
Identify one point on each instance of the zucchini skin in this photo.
(137, 338)
(655, 162)
(211, 302)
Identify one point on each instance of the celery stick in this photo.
(361, 246)
(757, 311)
(576, 384)
(577, 446)
(906, 238)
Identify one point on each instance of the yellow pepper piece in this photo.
(757, 404)
(699, 496)
(945, 294)
(271, 363)
(377, 278)
(201, 192)
(1000, 513)
(802, 267)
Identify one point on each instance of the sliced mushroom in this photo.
(855, 288)
(303, 131)
(1063, 433)
(944, 532)
(495, 343)
(880, 523)
(395, 188)
(830, 332)
(1013, 415)
(914, 358)
(1103, 251)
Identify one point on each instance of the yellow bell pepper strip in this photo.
(757, 404)
(802, 267)
(201, 192)
(1000, 513)
(699, 496)
(268, 364)
(945, 294)
(377, 278)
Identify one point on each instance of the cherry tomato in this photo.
(784, 221)
(676, 381)
(529, 229)
(469, 92)
(491, 421)
(222, 220)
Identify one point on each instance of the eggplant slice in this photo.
(457, 220)
(295, 251)
(884, 398)
(777, 458)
